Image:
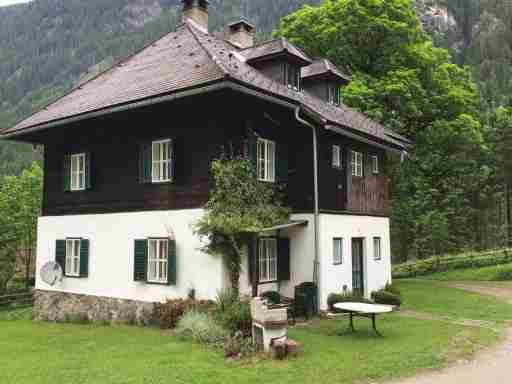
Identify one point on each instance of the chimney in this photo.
(241, 34)
(196, 12)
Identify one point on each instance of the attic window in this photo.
(292, 76)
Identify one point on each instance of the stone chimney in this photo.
(241, 34)
(196, 12)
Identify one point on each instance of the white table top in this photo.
(364, 308)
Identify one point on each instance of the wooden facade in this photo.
(202, 127)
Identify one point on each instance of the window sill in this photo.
(337, 264)
(268, 282)
(74, 277)
(161, 182)
(157, 283)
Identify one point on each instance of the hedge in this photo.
(448, 263)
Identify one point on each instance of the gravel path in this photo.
(490, 366)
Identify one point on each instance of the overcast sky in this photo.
(9, 2)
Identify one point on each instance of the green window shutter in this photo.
(88, 171)
(253, 151)
(145, 160)
(66, 173)
(172, 156)
(282, 163)
(140, 260)
(253, 261)
(283, 259)
(172, 272)
(84, 258)
(60, 254)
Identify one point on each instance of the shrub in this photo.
(233, 313)
(348, 297)
(504, 273)
(171, 311)
(272, 297)
(200, 327)
(386, 297)
(392, 288)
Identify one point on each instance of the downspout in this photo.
(316, 272)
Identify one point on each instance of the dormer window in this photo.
(292, 76)
(334, 94)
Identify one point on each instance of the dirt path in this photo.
(490, 366)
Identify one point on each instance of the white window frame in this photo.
(337, 161)
(267, 259)
(375, 164)
(158, 257)
(161, 166)
(266, 160)
(334, 94)
(78, 172)
(357, 163)
(73, 247)
(292, 82)
(377, 248)
(337, 253)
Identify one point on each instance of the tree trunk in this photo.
(509, 214)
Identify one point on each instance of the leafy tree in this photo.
(402, 80)
(20, 207)
(239, 206)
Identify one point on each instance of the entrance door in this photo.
(357, 267)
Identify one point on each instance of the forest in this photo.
(438, 71)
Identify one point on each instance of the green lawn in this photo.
(432, 297)
(38, 353)
(469, 274)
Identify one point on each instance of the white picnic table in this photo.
(364, 310)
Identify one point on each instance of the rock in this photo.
(278, 349)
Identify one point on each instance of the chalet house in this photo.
(127, 172)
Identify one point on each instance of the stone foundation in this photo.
(63, 306)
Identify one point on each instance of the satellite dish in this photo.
(51, 273)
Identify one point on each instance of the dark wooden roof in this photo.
(323, 67)
(182, 60)
(273, 48)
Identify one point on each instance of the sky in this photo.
(9, 2)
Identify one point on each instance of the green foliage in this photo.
(450, 263)
(386, 298)
(200, 328)
(233, 313)
(239, 205)
(402, 80)
(171, 311)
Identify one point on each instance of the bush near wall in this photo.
(447, 263)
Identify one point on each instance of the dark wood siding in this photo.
(340, 191)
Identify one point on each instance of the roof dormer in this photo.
(280, 60)
(324, 80)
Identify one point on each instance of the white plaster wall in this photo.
(112, 251)
(334, 277)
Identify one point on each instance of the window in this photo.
(334, 94)
(73, 257)
(268, 259)
(375, 164)
(78, 172)
(266, 160)
(158, 260)
(292, 76)
(357, 164)
(336, 156)
(377, 248)
(161, 161)
(338, 251)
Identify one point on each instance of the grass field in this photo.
(427, 296)
(44, 353)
